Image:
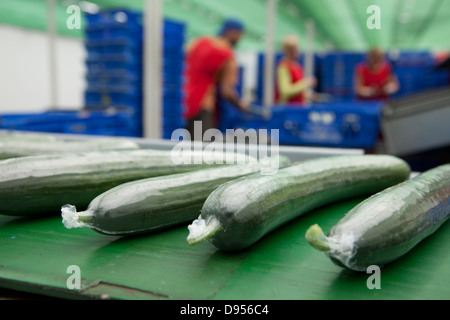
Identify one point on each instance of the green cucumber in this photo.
(22, 145)
(26, 136)
(152, 204)
(42, 184)
(389, 224)
(239, 213)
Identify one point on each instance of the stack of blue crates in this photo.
(114, 44)
(337, 74)
(416, 72)
(173, 68)
(114, 62)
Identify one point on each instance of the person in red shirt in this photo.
(291, 85)
(211, 69)
(375, 79)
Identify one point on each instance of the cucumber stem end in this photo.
(73, 219)
(316, 238)
(200, 230)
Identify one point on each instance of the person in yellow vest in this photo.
(292, 85)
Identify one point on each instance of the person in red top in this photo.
(375, 79)
(211, 68)
(291, 86)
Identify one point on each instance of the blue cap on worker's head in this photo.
(231, 24)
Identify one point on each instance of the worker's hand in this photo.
(309, 95)
(264, 112)
(367, 92)
(245, 106)
(311, 82)
(390, 88)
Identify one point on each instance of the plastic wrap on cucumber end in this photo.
(202, 229)
(343, 249)
(72, 219)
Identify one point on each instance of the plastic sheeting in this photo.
(404, 24)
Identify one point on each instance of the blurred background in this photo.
(118, 68)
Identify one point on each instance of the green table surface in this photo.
(36, 252)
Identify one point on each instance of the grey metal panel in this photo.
(418, 132)
(417, 123)
(426, 101)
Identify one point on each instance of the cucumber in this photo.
(389, 224)
(42, 184)
(26, 136)
(239, 213)
(18, 145)
(152, 204)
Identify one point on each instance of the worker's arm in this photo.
(286, 88)
(393, 85)
(228, 81)
(362, 90)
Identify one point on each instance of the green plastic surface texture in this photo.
(35, 255)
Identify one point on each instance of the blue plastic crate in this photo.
(344, 125)
(130, 96)
(107, 50)
(118, 15)
(174, 69)
(170, 127)
(111, 74)
(353, 126)
(12, 121)
(131, 90)
(174, 26)
(106, 66)
(96, 81)
(82, 122)
(112, 28)
(113, 99)
(337, 69)
(414, 59)
(172, 106)
(174, 101)
(89, 129)
(125, 42)
(53, 127)
(172, 110)
(171, 74)
(173, 82)
(44, 122)
(128, 58)
(109, 125)
(172, 114)
(114, 33)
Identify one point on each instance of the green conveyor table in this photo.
(35, 254)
